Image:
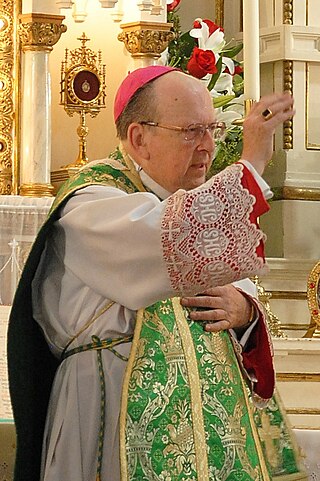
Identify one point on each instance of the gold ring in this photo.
(267, 114)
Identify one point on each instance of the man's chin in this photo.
(195, 183)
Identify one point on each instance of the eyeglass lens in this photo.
(196, 131)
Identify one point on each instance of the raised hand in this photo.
(259, 127)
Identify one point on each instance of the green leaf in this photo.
(233, 51)
(222, 100)
(215, 76)
(188, 43)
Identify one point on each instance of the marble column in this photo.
(38, 33)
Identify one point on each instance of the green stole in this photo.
(186, 413)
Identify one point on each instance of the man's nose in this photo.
(207, 140)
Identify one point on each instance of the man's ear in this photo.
(137, 140)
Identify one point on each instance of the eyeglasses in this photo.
(194, 131)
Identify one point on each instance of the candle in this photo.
(251, 63)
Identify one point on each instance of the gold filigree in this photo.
(144, 39)
(5, 147)
(84, 55)
(8, 12)
(5, 182)
(82, 90)
(313, 297)
(40, 32)
(274, 323)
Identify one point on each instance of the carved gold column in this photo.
(38, 33)
(146, 41)
(9, 78)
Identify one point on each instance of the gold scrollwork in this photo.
(313, 297)
(40, 32)
(8, 10)
(143, 39)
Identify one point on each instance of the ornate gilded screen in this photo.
(313, 296)
(9, 97)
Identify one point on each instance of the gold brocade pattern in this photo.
(185, 411)
(183, 415)
(196, 399)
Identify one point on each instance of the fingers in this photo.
(275, 108)
(208, 315)
(259, 127)
(218, 326)
(223, 307)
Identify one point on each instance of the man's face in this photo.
(176, 163)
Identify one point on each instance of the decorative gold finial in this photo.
(83, 40)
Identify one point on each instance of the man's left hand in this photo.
(223, 307)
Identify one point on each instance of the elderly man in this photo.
(137, 250)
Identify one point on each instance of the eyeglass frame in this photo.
(211, 128)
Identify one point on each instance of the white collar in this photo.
(150, 183)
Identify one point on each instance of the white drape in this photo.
(20, 219)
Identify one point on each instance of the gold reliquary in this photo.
(82, 89)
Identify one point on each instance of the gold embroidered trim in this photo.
(195, 391)
(124, 397)
(132, 174)
(264, 470)
(301, 475)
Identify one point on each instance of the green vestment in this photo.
(187, 413)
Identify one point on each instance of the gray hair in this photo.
(141, 107)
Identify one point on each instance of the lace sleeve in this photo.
(210, 235)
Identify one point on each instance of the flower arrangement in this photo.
(204, 53)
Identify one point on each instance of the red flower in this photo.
(201, 62)
(212, 26)
(173, 5)
(237, 70)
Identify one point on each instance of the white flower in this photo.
(232, 111)
(223, 85)
(214, 42)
